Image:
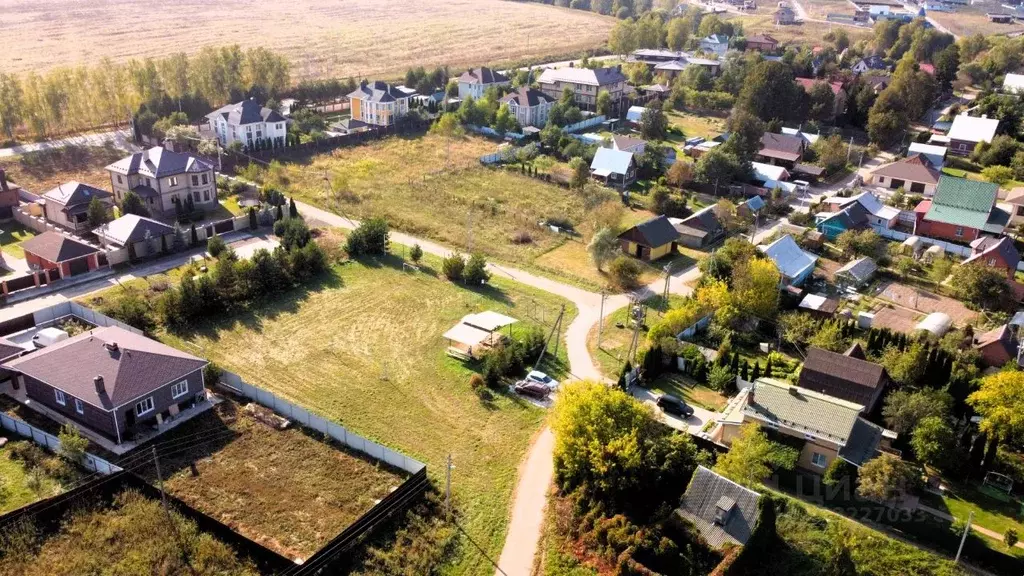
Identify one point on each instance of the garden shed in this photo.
(856, 273)
(476, 332)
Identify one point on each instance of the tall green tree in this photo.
(752, 457)
(776, 79)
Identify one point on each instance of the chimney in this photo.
(363, 83)
(572, 64)
(98, 381)
(112, 346)
(3, 180)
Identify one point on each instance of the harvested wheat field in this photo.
(321, 37)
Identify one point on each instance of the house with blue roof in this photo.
(614, 167)
(715, 44)
(794, 263)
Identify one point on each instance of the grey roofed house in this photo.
(622, 142)
(72, 195)
(859, 271)
(56, 247)
(246, 112)
(862, 443)
(133, 228)
(844, 376)
(134, 367)
(655, 232)
(721, 510)
(587, 76)
(378, 91)
(526, 96)
(811, 412)
(483, 75)
(158, 162)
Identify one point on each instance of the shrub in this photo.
(216, 246)
(212, 374)
(1010, 538)
(452, 267)
(476, 382)
(416, 253)
(522, 237)
(371, 237)
(625, 272)
(475, 272)
(293, 232)
(72, 444)
(131, 309)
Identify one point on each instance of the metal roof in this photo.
(708, 496)
(973, 129)
(811, 413)
(614, 161)
(962, 202)
(790, 259)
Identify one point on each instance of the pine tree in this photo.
(768, 368)
(280, 213)
(745, 371)
(757, 372)
(990, 453)
(195, 235)
(626, 369)
(871, 341)
(735, 366)
(293, 210)
(253, 222)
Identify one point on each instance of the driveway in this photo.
(694, 424)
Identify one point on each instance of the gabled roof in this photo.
(819, 303)
(1013, 83)
(873, 62)
(9, 349)
(808, 84)
(588, 76)
(808, 138)
(988, 247)
(483, 75)
(812, 413)
(158, 162)
(133, 228)
(1000, 338)
(755, 203)
(705, 219)
(871, 204)
(621, 142)
(861, 269)
(706, 495)
(762, 39)
(841, 376)
(611, 161)
(971, 129)
(136, 367)
(71, 194)
(56, 247)
(916, 168)
(790, 259)
(657, 231)
(715, 39)
(862, 444)
(962, 202)
(526, 96)
(781, 146)
(851, 216)
(673, 65)
(246, 112)
(377, 91)
(935, 154)
(766, 172)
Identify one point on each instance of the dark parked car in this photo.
(673, 405)
(530, 388)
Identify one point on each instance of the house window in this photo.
(173, 180)
(59, 397)
(119, 181)
(79, 407)
(205, 181)
(195, 196)
(195, 180)
(959, 231)
(278, 126)
(818, 460)
(206, 195)
(991, 261)
(144, 407)
(259, 135)
(179, 389)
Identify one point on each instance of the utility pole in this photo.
(600, 321)
(167, 511)
(849, 150)
(553, 333)
(448, 488)
(668, 277)
(963, 539)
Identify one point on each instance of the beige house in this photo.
(67, 205)
(585, 83)
(378, 103)
(163, 178)
(1015, 198)
(831, 428)
(530, 107)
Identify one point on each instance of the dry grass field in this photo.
(39, 172)
(821, 8)
(321, 37)
(968, 20)
(810, 33)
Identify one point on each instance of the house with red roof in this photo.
(838, 92)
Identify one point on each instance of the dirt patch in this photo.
(827, 268)
(39, 172)
(896, 319)
(926, 302)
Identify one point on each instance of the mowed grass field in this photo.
(968, 20)
(467, 206)
(366, 350)
(322, 38)
(762, 21)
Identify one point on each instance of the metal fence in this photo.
(957, 249)
(584, 124)
(506, 154)
(488, 131)
(312, 421)
(52, 443)
(64, 309)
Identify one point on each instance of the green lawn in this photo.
(961, 173)
(693, 124)
(615, 340)
(12, 234)
(682, 386)
(996, 515)
(17, 489)
(365, 349)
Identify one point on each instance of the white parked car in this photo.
(542, 378)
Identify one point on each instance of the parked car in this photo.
(672, 405)
(533, 389)
(542, 378)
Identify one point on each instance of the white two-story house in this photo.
(379, 103)
(530, 107)
(585, 83)
(249, 123)
(162, 178)
(476, 81)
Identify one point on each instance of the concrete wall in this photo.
(51, 443)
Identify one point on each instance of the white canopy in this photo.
(488, 320)
(466, 334)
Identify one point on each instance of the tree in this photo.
(72, 444)
(677, 33)
(625, 272)
(1010, 538)
(97, 213)
(932, 440)
(580, 173)
(475, 272)
(885, 478)
(982, 286)
(653, 122)
(718, 167)
(830, 337)
(752, 457)
(998, 174)
(415, 253)
(775, 78)
(603, 247)
(745, 133)
(372, 236)
(604, 103)
(822, 102)
(722, 378)
(831, 152)
(504, 121)
(999, 401)
(622, 39)
(448, 126)
(293, 210)
(254, 221)
(905, 367)
(131, 203)
(756, 287)
(216, 246)
(680, 173)
(796, 327)
(452, 266)
(905, 409)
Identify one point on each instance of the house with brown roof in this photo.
(67, 205)
(700, 229)
(997, 346)
(650, 240)
(762, 43)
(848, 376)
(112, 381)
(914, 174)
(476, 81)
(530, 106)
(781, 149)
(51, 250)
(838, 92)
(624, 143)
(994, 252)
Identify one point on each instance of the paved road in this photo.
(118, 138)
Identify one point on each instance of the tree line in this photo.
(75, 98)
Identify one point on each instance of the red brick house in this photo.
(52, 250)
(996, 253)
(762, 43)
(960, 211)
(996, 347)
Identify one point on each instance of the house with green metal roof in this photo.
(830, 427)
(960, 211)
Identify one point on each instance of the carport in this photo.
(475, 333)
